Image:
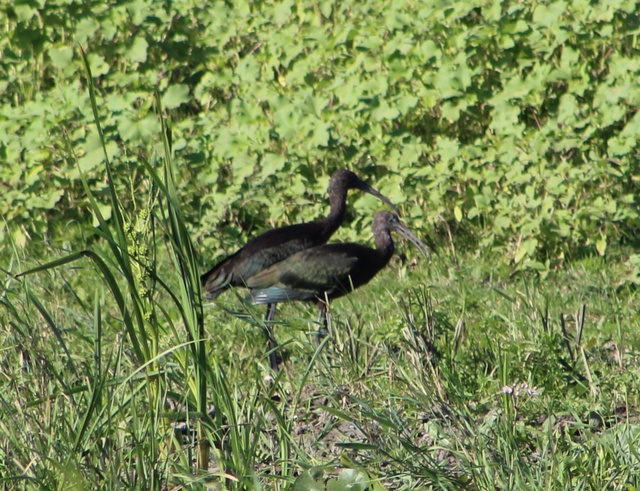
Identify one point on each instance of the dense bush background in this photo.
(516, 124)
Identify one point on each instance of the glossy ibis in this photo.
(280, 243)
(331, 270)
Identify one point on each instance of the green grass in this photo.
(439, 376)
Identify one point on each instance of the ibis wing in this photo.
(258, 254)
(306, 275)
(319, 269)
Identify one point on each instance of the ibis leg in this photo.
(323, 317)
(271, 342)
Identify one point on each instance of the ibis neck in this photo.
(385, 244)
(338, 202)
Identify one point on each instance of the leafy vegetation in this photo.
(518, 122)
(134, 135)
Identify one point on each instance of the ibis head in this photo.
(341, 181)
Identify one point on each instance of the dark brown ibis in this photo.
(279, 243)
(331, 270)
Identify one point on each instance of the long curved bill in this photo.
(363, 186)
(413, 238)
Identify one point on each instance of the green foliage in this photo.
(518, 122)
(347, 480)
(178, 374)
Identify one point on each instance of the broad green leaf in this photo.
(139, 130)
(48, 201)
(61, 56)
(138, 50)
(319, 134)
(94, 156)
(515, 27)
(429, 49)
(502, 222)
(535, 265)
(271, 164)
(282, 12)
(248, 69)
(406, 103)
(349, 480)
(139, 10)
(548, 14)
(175, 96)
(568, 109)
(98, 65)
(326, 7)
(526, 249)
(24, 12)
(448, 149)
(105, 211)
(309, 481)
